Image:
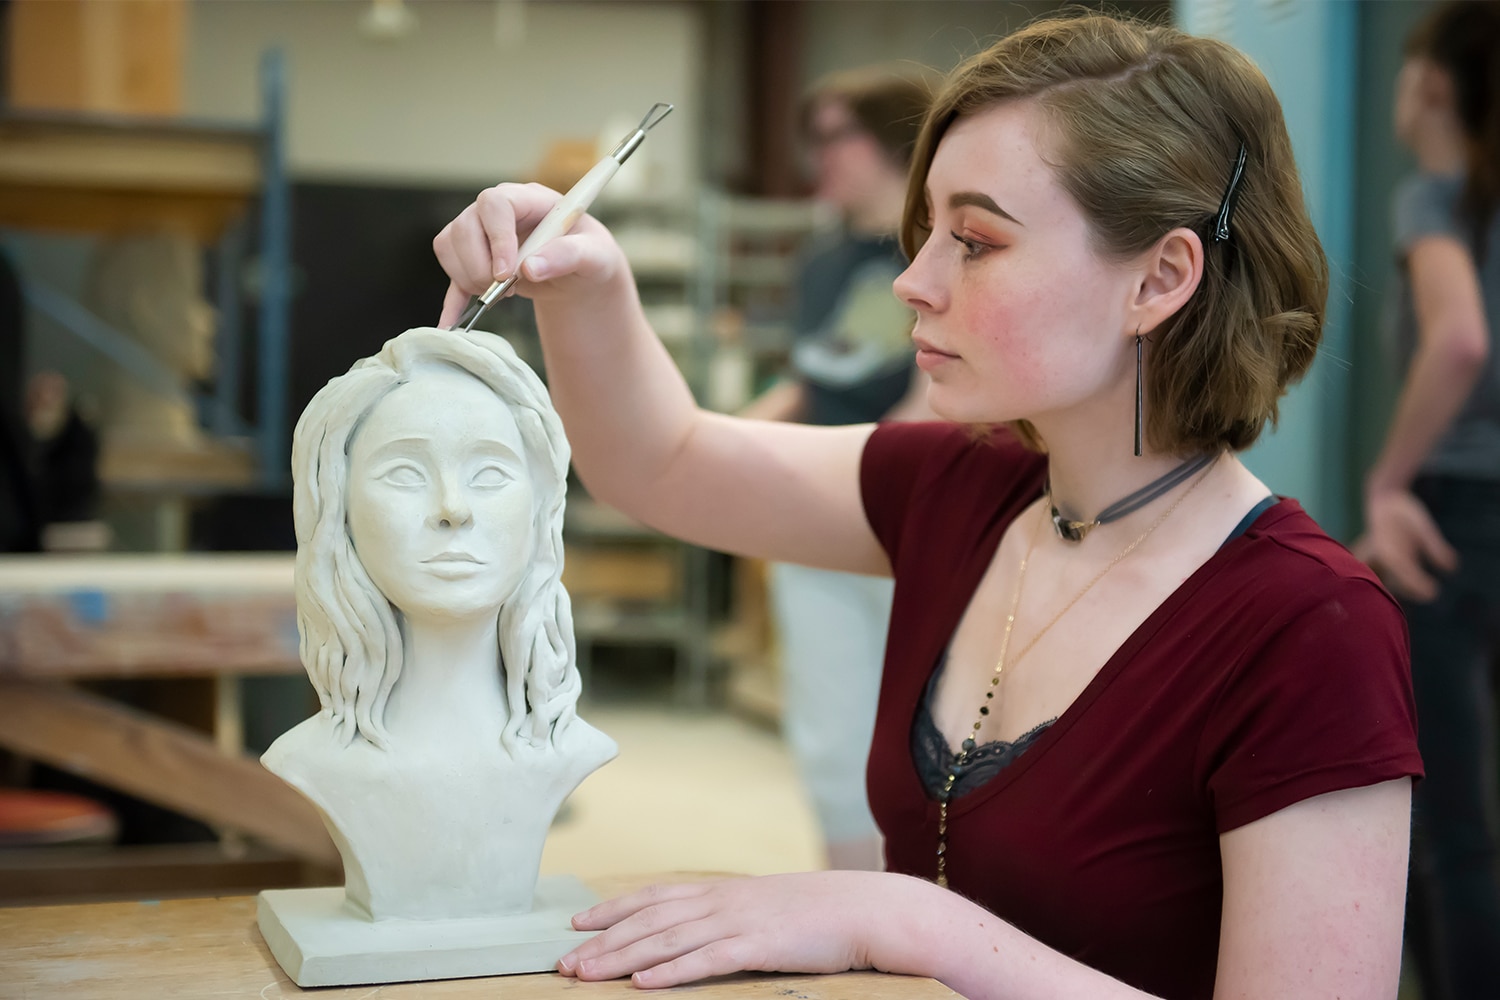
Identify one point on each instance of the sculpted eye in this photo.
(404, 475)
(490, 476)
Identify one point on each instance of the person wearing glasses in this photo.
(852, 362)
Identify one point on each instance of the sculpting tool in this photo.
(565, 213)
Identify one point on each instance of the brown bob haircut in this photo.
(1145, 124)
(889, 102)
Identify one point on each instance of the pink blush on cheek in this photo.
(1008, 347)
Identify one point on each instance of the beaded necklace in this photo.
(969, 745)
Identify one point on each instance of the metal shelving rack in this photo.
(109, 175)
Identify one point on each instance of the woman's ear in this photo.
(1169, 275)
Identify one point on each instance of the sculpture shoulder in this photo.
(591, 746)
(310, 748)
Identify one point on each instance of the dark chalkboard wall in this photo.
(363, 271)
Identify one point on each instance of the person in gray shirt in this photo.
(1432, 499)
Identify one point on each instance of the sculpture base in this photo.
(320, 941)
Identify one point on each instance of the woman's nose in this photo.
(915, 285)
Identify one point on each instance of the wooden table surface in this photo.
(211, 948)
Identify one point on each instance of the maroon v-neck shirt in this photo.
(1276, 672)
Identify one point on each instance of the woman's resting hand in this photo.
(670, 934)
(479, 248)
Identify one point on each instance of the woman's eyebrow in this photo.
(983, 201)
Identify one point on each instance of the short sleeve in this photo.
(1324, 704)
(888, 472)
(1426, 205)
(943, 481)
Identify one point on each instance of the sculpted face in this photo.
(441, 497)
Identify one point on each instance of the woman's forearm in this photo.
(627, 409)
(943, 936)
(1437, 384)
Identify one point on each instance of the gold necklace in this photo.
(961, 759)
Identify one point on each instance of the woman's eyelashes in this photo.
(973, 248)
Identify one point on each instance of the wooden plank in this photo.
(112, 615)
(47, 154)
(622, 573)
(201, 215)
(31, 876)
(158, 761)
(202, 467)
(154, 573)
(43, 55)
(101, 55)
(211, 947)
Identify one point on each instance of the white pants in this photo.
(832, 631)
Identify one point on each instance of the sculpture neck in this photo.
(450, 682)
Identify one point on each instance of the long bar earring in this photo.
(1140, 396)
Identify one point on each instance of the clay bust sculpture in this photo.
(428, 501)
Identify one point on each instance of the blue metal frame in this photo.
(104, 338)
(273, 333)
(223, 412)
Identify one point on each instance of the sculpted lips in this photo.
(454, 564)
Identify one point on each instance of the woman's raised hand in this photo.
(479, 248)
(670, 934)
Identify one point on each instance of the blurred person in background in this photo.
(852, 362)
(1432, 499)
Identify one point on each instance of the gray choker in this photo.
(1074, 531)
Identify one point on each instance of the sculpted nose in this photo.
(453, 508)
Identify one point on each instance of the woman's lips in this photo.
(929, 357)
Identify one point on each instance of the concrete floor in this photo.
(690, 791)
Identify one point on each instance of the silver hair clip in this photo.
(1226, 207)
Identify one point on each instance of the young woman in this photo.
(1432, 499)
(1144, 729)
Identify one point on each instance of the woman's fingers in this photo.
(498, 218)
(658, 911)
(479, 246)
(668, 935)
(612, 911)
(1434, 546)
(453, 305)
(718, 957)
(1406, 576)
(678, 937)
(576, 254)
(463, 250)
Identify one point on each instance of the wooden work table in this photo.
(212, 948)
(129, 617)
